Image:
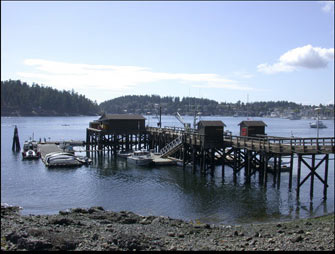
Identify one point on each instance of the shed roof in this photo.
(252, 123)
(121, 117)
(211, 123)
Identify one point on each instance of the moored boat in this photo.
(315, 124)
(30, 150)
(284, 165)
(125, 154)
(142, 157)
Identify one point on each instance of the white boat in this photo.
(315, 125)
(125, 154)
(30, 150)
(61, 159)
(142, 157)
(284, 165)
(66, 147)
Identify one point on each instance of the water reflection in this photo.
(167, 191)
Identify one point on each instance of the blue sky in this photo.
(226, 51)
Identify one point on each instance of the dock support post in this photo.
(235, 164)
(326, 178)
(184, 156)
(299, 174)
(212, 161)
(223, 162)
(274, 170)
(265, 168)
(194, 151)
(312, 177)
(291, 171)
(202, 160)
(248, 165)
(115, 144)
(261, 168)
(279, 171)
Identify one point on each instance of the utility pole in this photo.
(317, 122)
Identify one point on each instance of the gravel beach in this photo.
(99, 230)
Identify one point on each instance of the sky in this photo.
(227, 51)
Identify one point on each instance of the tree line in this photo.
(151, 105)
(20, 99)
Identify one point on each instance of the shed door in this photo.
(244, 131)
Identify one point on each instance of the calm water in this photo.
(166, 191)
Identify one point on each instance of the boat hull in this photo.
(140, 162)
(30, 155)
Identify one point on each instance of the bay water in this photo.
(160, 191)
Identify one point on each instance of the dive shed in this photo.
(119, 122)
(252, 128)
(211, 133)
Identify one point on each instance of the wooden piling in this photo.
(312, 177)
(16, 143)
(299, 174)
(291, 172)
(279, 171)
(326, 178)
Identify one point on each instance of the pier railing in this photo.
(269, 144)
(284, 145)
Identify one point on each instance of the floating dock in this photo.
(48, 148)
(159, 161)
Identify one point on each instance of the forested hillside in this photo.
(145, 104)
(20, 99)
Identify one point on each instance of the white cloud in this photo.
(111, 78)
(306, 57)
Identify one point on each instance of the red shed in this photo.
(252, 128)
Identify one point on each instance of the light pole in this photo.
(317, 123)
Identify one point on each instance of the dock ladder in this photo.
(171, 147)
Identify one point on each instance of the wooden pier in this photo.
(207, 147)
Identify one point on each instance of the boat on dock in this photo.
(67, 147)
(30, 150)
(141, 157)
(65, 159)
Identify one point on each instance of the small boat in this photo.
(294, 117)
(66, 147)
(30, 150)
(142, 157)
(84, 160)
(284, 165)
(315, 125)
(125, 154)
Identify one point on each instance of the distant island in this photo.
(20, 99)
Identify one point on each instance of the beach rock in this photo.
(95, 229)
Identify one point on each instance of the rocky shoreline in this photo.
(99, 230)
